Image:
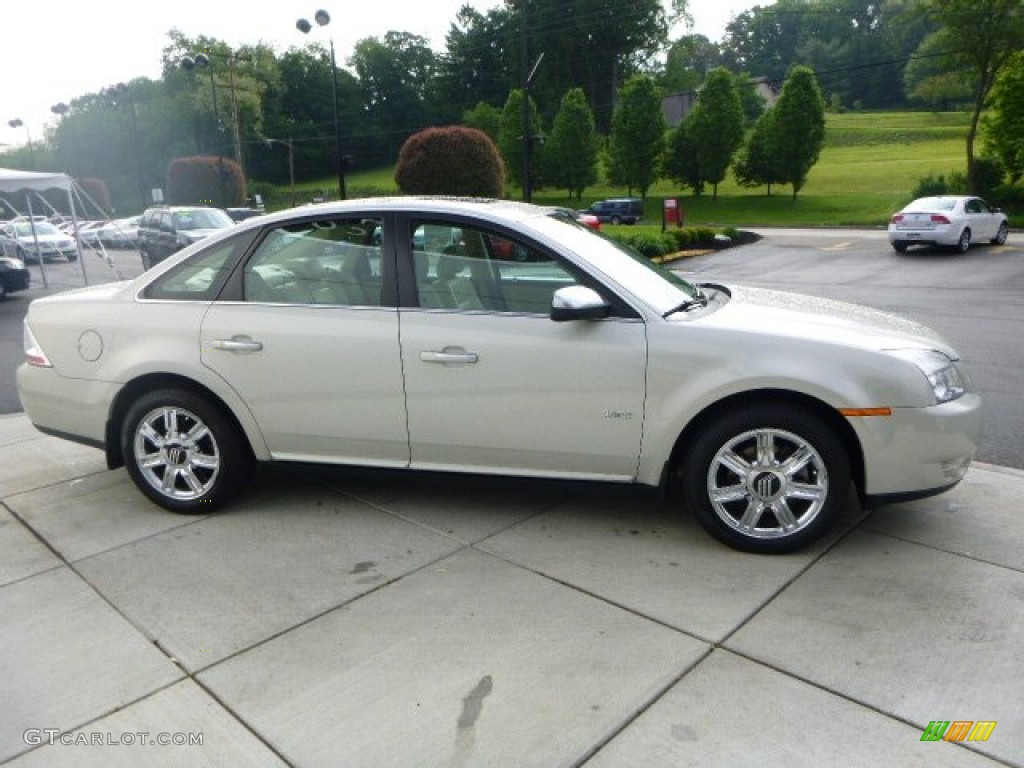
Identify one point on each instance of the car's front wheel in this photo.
(1001, 235)
(182, 452)
(964, 243)
(766, 479)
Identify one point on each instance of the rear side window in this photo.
(201, 277)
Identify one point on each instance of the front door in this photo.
(494, 385)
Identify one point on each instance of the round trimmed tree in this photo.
(450, 160)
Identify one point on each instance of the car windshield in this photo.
(24, 229)
(658, 287)
(203, 218)
(932, 204)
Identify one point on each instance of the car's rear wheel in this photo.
(899, 246)
(3, 290)
(616, 220)
(766, 479)
(182, 452)
(1002, 234)
(964, 243)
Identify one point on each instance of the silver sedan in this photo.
(947, 220)
(496, 338)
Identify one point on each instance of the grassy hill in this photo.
(870, 164)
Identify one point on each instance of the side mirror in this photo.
(577, 302)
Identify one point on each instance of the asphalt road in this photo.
(976, 300)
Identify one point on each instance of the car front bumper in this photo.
(919, 451)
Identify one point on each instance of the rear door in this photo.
(310, 342)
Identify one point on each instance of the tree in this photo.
(716, 127)
(1004, 136)
(798, 128)
(393, 74)
(638, 135)
(452, 160)
(510, 138)
(756, 164)
(681, 162)
(687, 62)
(979, 37)
(570, 154)
(484, 117)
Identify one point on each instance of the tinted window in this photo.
(463, 268)
(201, 277)
(326, 261)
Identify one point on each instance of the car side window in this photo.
(201, 277)
(330, 261)
(465, 268)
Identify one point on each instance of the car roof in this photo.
(503, 211)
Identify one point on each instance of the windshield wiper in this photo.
(699, 301)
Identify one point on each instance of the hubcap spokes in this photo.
(176, 453)
(767, 483)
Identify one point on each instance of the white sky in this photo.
(58, 50)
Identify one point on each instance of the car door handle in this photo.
(238, 344)
(450, 356)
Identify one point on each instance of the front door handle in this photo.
(450, 356)
(238, 344)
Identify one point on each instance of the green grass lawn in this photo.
(868, 168)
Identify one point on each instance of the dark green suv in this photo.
(618, 210)
(164, 230)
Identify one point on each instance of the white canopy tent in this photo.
(26, 182)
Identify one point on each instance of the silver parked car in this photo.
(948, 220)
(366, 333)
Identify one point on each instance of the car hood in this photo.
(782, 314)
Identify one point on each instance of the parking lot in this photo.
(338, 617)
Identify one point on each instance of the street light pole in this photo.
(322, 19)
(18, 123)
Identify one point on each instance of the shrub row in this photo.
(653, 245)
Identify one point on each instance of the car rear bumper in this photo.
(76, 409)
(16, 279)
(938, 236)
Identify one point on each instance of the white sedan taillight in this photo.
(34, 354)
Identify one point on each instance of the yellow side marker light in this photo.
(851, 412)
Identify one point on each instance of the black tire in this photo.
(146, 261)
(1001, 235)
(183, 453)
(3, 290)
(71, 257)
(964, 243)
(767, 479)
(616, 220)
(899, 246)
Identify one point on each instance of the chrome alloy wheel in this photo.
(767, 483)
(176, 453)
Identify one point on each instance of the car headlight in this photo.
(946, 379)
(12, 263)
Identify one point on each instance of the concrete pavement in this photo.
(333, 618)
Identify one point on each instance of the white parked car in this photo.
(301, 336)
(954, 221)
(32, 240)
(120, 233)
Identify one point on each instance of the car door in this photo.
(309, 342)
(493, 384)
(983, 220)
